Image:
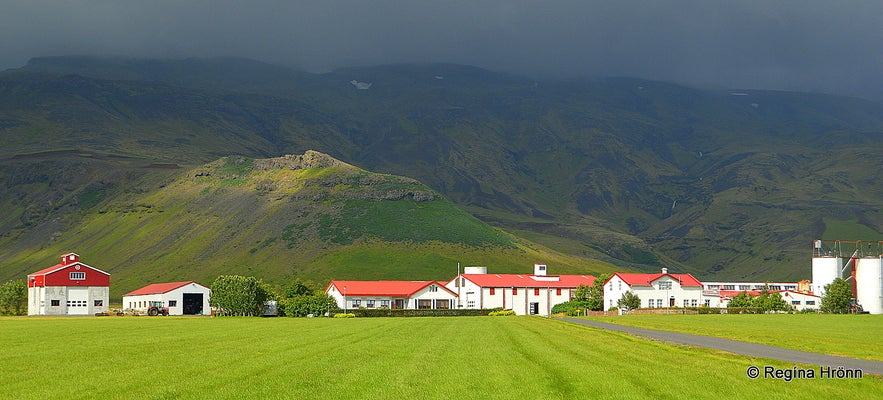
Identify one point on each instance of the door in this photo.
(192, 304)
(671, 302)
(77, 301)
(534, 308)
(399, 304)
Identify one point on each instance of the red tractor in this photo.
(155, 308)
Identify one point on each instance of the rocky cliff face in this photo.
(310, 159)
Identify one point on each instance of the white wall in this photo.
(140, 302)
(476, 297)
(40, 300)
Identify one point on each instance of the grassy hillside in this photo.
(309, 216)
(724, 184)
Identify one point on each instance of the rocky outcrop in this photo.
(310, 159)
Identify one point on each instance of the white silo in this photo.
(824, 270)
(869, 284)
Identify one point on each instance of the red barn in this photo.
(68, 288)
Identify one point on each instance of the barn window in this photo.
(536, 291)
(173, 303)
(56, 303)
(514, 291)
(558, 292)
(98, 303)
(78, 276)
(492, 291)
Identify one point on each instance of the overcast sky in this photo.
(833, 46)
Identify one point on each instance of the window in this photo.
(558, 292)
(369, 303)
(714, 287)
(78, 276)
(707, 302)
(665, 285)
(658, 303)
(492, 291)
(790, 287)
(443, 304)
(98, 303)
(686, 303)
(470, 304)
(384, 303)
(650, 303)
(536, 291)
(173, 303)
(729, 287)
(775, 287)
(542, 267)
(810, 302)
(514, 291)
(357, 303)
(424, 304)
(433, 288)
(694, 303)
(795, 302)
(56, 303)
(618, 285)
(744, 287)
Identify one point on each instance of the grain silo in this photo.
(826, 264)
(869, 283)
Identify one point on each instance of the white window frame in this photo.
(78, 276)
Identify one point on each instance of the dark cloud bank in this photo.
(809, 45)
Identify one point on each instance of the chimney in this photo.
(539, 269)
(665, 270)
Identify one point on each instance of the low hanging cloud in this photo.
(809, 45)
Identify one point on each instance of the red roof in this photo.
(383, 288)
(524, 280)
(648, 279)
(159, 288)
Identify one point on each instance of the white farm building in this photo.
(182, 298)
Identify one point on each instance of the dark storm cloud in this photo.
(798, 45)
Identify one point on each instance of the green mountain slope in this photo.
(308, 216)
(724, 184)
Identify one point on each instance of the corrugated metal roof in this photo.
(383, 288)
(158, 288)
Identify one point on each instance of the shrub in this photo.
(385, 312)
(342, 315)
(571, 308)
(501, 313)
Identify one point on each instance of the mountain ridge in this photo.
(723, 183)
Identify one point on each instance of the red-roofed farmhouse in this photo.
(68, 288)
(182, 298)
(523, 293)
(655, 290)
(391, 294)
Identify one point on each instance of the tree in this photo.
(14, 298)
(298, 288)
(837, 297)
(629, 301)
(741, 300)
(238, 295)
(301, 306)
(771, 301)
(592, 296)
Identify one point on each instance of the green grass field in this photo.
(856, 336)
(388, 358)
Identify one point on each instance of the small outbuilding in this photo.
(68, 288)
(182, 298)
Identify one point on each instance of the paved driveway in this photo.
(743, 348)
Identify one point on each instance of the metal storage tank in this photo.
(475, 270)
(824, 270)
(869, 284)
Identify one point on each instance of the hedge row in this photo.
(360, 312)
(729, 310)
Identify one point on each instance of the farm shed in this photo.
(68, 288)
(182, 298)
(391, 294)
(525, 294)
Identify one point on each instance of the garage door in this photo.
(78, 301)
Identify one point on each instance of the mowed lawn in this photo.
(857, 336)
(377, 358)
